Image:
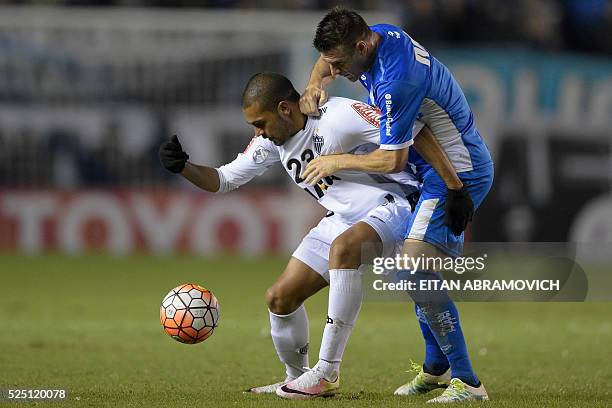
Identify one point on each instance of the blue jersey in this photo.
(407, 83)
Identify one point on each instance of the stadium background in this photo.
(89, 89)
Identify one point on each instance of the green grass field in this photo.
(90, 325)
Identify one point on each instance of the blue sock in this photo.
(435, 361)
(443, 320)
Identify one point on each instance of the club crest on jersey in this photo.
(318, 143)
(260, 155)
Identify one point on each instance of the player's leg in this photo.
(375, 232)
(345, 297)
(306, 273)
(376, 235)
(427, 234)
(441, 316)
(434, 373)
(464, 384)
(288, 318)
(345, 293)
(296, 284)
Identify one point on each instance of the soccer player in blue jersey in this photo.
(405, 82)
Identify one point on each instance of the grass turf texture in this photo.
(90, 325)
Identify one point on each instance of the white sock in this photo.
(290, 338)
(345, 297)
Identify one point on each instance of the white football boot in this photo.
(423, 382)
(458, 391)
(309, 385)
(270, 388)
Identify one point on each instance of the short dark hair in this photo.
(268, 89)
(340, 27)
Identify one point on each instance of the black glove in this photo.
(172, 156)
(459, 210)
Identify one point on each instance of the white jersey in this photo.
(344, 126)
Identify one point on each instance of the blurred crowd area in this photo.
(552, 25)
(67, 96)
(61, 160)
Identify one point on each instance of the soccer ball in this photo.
(189, 313)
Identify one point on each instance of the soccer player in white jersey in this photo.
(363, 208)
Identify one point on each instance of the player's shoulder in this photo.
(335, 104)
(344, 117)
(258, 141)
(337, 110)
(385, 28)
(334, 107)
(396, 42)
(393, 40)
(260, 150)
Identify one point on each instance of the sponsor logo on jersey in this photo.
(330, 320)
(370, 113)
(322, 110)
(260, 155)
(318, 143)
(388, 104)
(304, 349)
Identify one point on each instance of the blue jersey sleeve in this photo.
(399, 102)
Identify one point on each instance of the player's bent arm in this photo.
(234, 174)
(430, 150)
(204, 177)
(314, 95)
(320, 71)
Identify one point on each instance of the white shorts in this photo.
(388, 220)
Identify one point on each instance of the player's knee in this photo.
(345, 252)
(280, 302)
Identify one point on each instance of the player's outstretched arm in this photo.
(314, 95)
(174, 159)
(207, 178)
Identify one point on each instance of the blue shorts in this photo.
(427, 221)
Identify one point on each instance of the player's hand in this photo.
(459, 210)
(172, 156)
(318, 168)
(311, 99)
